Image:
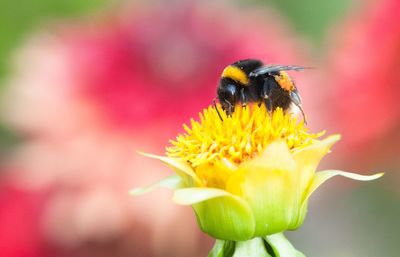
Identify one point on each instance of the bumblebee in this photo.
(250, 81)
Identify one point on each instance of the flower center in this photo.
(213, 147)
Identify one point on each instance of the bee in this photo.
(250, 81)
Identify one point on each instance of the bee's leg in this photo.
(243, 98)
(229, 108)
(266, 94)
(295, 97)
(268, 103)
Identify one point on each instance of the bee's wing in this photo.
(275, 68)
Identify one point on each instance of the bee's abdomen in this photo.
(280, 99)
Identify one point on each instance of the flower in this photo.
(248, 175)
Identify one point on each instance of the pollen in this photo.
(237, 138)
(284, 81)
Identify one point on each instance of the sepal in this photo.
(251, 248)
(222, 248)
(281, 246)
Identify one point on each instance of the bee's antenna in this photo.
(216, 108)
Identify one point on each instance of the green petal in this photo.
(180, 166)
(219, 213)
(282, 247)
(322, 176)
(269, 184)
(193, 195)
(171, 182)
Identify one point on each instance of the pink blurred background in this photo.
(81, 94)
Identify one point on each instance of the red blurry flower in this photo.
(20, 210)
(364, 77)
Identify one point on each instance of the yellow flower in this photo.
(249, 175)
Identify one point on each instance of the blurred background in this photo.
(85, 84)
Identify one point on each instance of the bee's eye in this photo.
(229, 92)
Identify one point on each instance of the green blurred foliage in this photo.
(313, 18)
(19, 17)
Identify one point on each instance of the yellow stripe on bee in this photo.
(284, 81)
(236, 74)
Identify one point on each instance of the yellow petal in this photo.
(275, 156)
(180, 166)
(308, 158)
(215, 174)
(268, 183)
